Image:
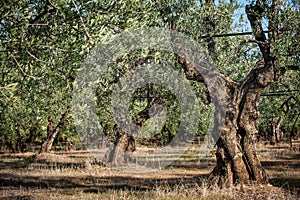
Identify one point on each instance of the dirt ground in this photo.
(76, 175)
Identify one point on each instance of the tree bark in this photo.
(51, 134)
(121, 152)
(237, 161)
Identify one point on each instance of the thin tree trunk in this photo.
(51, 134)
(276, 129)
(292, 133)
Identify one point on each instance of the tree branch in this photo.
(254, 14)
(36, 58)
(190, 69)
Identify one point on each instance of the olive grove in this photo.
(44, 42)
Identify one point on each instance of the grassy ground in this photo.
(74, 175)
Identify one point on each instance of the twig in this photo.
(37, 58)
(53, 5)
(38, 24)
(50, 47)
(4, 94)
(8, 89)
(34, 77)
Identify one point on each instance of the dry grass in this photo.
(74, 175)
(161, 191)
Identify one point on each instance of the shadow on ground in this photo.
(99, 184)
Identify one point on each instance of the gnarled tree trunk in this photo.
(237, 161)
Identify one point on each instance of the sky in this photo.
(241, 12)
